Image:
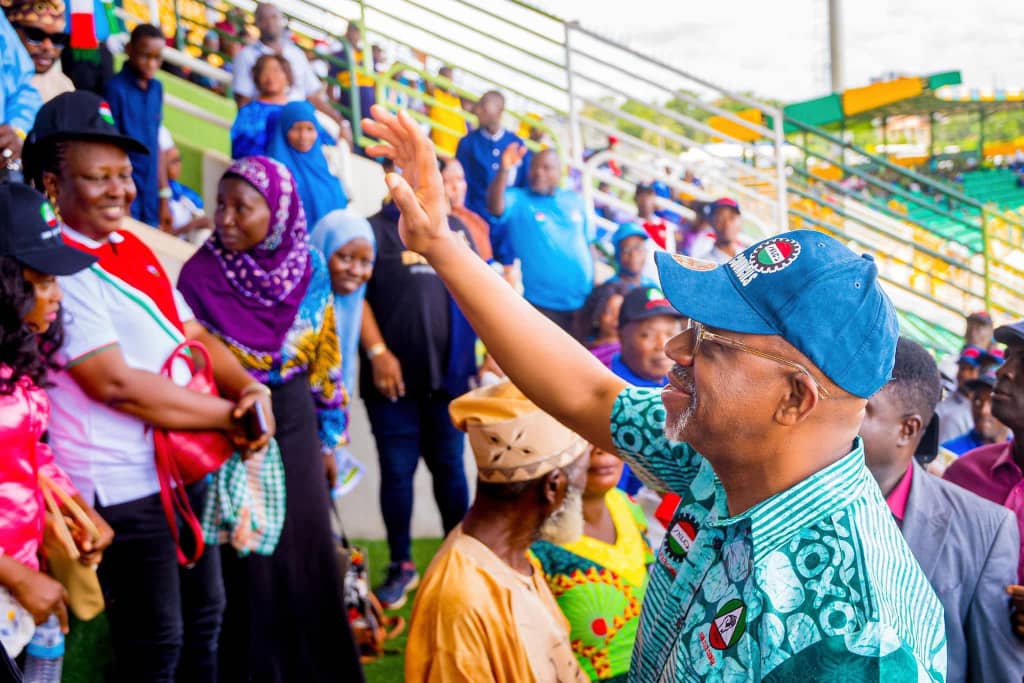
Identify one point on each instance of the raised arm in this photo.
(510, 158)
(548, 365)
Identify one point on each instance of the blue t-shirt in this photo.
(551, 235)
(138, 113)
(480, 156)
(964, 442)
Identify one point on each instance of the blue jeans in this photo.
(164, 619)
(405, 430)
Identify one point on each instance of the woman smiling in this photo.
(124, 320)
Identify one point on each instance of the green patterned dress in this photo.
(600, 587)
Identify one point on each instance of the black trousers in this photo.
(164, 619)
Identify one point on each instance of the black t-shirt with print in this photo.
(412, 308)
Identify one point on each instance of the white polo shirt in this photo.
(304, 80)
(123, 302)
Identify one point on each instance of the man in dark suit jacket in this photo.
(967, 546)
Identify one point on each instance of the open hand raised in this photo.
(418, 192)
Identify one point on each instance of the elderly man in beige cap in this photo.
(484, 611)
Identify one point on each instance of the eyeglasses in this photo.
(701, 334)
(37, 36)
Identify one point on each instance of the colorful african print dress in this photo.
(600, 587)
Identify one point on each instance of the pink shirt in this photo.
(23, 418)
(992, 473)
(897, 498)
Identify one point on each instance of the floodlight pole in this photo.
(835, 44)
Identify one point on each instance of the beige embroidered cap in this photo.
(512, 439)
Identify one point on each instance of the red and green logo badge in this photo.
(729, 624)
(48, 215)
(680, 538)
(774, 255)
(656, 299)
(105, 113)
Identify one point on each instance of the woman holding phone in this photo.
(262, 289)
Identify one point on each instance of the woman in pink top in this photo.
(32, 254)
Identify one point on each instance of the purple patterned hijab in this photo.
(252, 297)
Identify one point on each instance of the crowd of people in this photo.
(722, 462)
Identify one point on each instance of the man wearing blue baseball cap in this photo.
(782, 561)
(631, 254)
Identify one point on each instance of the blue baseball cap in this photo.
(628, 230)
(805, 287)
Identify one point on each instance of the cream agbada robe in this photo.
(477, 619)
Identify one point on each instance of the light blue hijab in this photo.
(332, 232)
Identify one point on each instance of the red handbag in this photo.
(185, 457)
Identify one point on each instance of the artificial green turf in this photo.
(88, 647)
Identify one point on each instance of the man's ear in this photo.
(553, 486)
(800, 399)
(910, 429)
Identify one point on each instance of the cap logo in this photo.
(766, 258)
(656, 299)
(48, 215)
(106, 114)
(774, 255)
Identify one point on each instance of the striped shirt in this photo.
(814, 583)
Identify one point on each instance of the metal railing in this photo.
(586, 88)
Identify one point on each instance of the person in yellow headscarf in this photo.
(599, 579)
(483, 612)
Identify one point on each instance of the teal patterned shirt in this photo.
(812, 584)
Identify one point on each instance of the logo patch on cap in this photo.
(105, 113)
(774, 255)
(48, 215)
(656, 299)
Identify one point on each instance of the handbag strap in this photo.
(80, 516)
(63, 533)
(174, 499)
(182, 351)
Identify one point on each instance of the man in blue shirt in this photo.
(19, 101)
(548, 230)
(480, 153)
(987, 429)
(136, 101)
(646, 322)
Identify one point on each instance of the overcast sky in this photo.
(780, 49)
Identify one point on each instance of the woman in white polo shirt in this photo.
(123, 319)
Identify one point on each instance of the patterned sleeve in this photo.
(329, 392)
(638, 431)
(834, 659)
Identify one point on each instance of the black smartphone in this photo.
(255, 422)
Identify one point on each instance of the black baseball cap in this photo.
(77, 115)
(31, 234)
(987, 379)
(643, 303)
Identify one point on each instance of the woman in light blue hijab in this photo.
(346, 240)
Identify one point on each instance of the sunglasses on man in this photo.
(37, 36)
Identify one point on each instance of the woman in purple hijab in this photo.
(259, 285)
